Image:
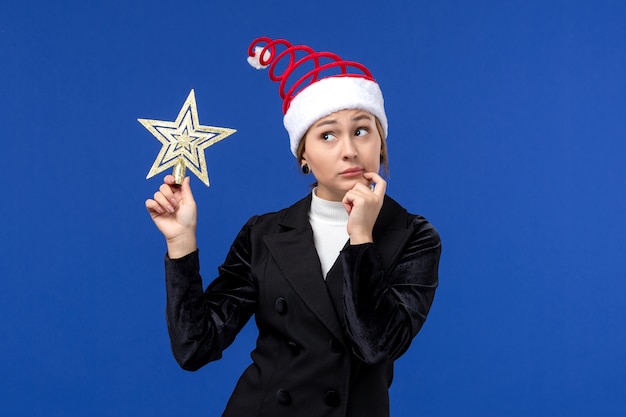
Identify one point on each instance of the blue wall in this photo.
(507, 131)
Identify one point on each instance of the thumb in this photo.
(185, 190)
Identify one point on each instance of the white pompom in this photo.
(254, 60)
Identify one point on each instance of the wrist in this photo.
(181, 245)
(361, 238)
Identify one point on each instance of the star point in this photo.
(184, 139)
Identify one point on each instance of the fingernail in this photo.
(170, 209)
(173, 201)
(160, 210)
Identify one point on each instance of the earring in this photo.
(305, 169)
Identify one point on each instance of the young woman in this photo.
(339, 283)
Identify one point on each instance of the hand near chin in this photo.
(173, 210)
(363, 206)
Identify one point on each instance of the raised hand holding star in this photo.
(184, 141)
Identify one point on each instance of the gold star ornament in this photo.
(184, 141)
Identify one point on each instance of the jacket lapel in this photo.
(334, 284)
(294, 252)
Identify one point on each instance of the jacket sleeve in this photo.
(384, 311)
(202, 324)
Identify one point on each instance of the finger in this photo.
(348, 201)
(168, 194)
(361, 189)
(186, 190)
(169, 180)
(162, 201)
(357, 196)
(381, 184)
(153, 207)
(373, 177)
(347, 204)
(362, 194)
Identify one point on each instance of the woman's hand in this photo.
(363, 206)
(173, 211)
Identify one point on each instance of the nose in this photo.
(348, 149)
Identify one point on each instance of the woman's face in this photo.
(339, 148)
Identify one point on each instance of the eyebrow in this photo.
(333, 121)
(361, 117)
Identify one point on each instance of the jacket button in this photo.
(332, 398)
(281, 305)
(293, 347)
(335, 346)
(283, 397)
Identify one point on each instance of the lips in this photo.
(352, 172)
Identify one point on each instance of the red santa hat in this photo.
(315, 84)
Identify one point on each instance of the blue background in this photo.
(507, 131)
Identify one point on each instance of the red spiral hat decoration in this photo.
(268, 56)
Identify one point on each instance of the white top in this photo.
(328, 220)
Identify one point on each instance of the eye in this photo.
(361, 131)
(327, 136)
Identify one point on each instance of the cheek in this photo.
(373, 153)
(313, 155)
(318, 165)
